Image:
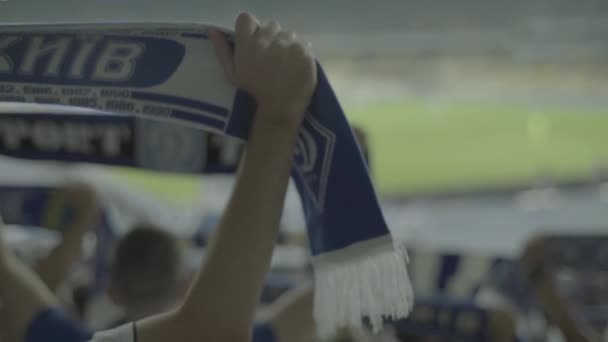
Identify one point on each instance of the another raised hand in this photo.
(83, 200)
(544, 288)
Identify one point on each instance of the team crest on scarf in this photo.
(314, 151)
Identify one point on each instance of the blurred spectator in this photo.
(146, 273)
(81, 202)
(535, 258)
(148, 276)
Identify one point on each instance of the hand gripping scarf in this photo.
(169, 72)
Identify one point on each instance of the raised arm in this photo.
(22, 293)
(280, 73)
(546, 292)
(54, 269)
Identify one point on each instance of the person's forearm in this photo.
(279, 72)
(22, 293)
(54, 268)
(240, 251)
(559, 313)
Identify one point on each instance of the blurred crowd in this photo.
(555, 290)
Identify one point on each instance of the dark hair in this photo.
(146, 265)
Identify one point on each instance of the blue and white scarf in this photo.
(169, 73)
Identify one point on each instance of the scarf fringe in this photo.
(366, 280)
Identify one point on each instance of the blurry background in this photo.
(487, 119)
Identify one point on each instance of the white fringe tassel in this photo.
(366, 280)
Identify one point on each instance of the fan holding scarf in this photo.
(359, 271)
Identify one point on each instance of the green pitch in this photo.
(417, 148)
(420, 148)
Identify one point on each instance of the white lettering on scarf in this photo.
(38, 48)
(77, 68)
(51, 136)
(6, 64)
(116, 62)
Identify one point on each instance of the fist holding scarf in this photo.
(273, 66)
